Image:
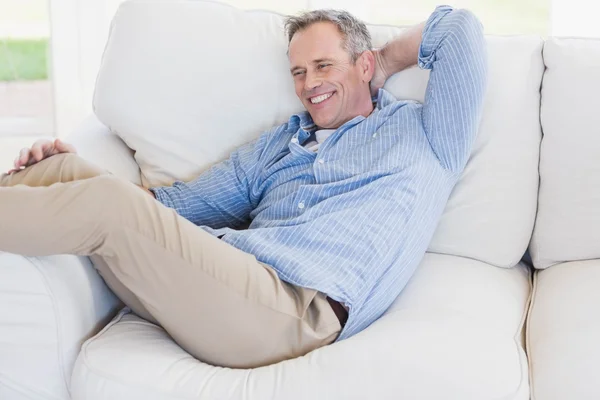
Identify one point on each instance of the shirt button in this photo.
(294, 140)
(375, 135)
(301, 205)
(321, 161)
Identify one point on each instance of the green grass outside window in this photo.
(23, 60)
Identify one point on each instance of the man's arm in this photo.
(451, 44)
(221, 196)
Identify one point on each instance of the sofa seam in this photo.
(521, 345)
(522, 333)
(539, 164)
(534, 293)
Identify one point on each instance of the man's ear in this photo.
(367, 65)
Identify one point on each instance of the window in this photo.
(26, 92)
(26, 107)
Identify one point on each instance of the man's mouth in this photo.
(321, 98)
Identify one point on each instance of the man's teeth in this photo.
(318, 99)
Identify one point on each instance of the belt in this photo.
(339, 310)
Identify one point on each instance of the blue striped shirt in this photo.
(354, 220)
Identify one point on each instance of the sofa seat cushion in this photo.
(454, 333)
(50, 306)
(563, 331)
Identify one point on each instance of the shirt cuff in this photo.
(162, 196)
(429, 41)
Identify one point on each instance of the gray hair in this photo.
(355, 35)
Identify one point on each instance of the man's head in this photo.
(332, 64)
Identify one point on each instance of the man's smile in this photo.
(320, 99)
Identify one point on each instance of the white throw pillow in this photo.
(184, 83)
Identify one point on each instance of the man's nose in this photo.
(312, 81)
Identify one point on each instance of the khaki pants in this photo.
(217, 302)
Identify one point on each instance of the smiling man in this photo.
(341, 201)
(331, 73)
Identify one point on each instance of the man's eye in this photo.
(321, 66)
(297, 73)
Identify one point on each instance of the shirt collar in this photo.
(384, 98)
(302, 120)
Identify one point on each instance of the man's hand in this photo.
(399, 54)
(40, 150)
(380, 75)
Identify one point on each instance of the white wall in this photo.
(575, 18)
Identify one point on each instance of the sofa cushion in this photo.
(491, 212)
(97, 144)
(568, 221)
(186, 91)
(442, 338)
(563, 331)
(50, 306)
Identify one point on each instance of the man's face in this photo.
(332, 88)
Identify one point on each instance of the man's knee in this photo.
(59, 159)
(71, 167)
(111, 199)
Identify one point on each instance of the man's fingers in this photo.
(41, 149)
(37, 153)
(48, 149)
(23, 158)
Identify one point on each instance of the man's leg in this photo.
(217, 302)
(64, 167)
(68, 168)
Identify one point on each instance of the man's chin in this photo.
(327, 125)
(322, 123)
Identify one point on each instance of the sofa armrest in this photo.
(51, 305)
(96, 143)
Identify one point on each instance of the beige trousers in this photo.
(217, 302)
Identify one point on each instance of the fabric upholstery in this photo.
(50, 306)
(568, 222)
(563, 330)
(563, 325)
(96, 143)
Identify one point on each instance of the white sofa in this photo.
(184, 82)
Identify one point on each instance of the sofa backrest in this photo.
(568, 222)
(185, 82)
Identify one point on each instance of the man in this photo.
(342, 200)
